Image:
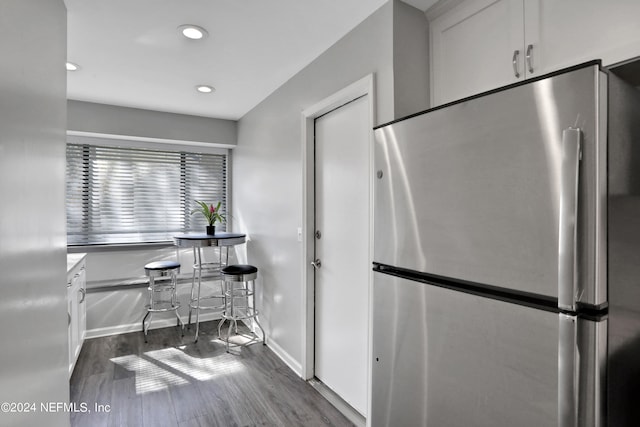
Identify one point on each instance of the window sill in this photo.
(114, 247)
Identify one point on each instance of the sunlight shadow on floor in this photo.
(159, 369)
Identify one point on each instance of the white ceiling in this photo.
(131, 53)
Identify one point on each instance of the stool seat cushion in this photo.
(239, 269)
(162, 265)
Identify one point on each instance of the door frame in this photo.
(362, 87)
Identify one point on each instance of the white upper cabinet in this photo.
(482, 44)
(472, 48)
(568, 32)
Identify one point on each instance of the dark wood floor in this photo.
(172, 381)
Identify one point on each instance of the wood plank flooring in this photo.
(172, 381)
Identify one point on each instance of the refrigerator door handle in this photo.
(568, 372)
(567, 283)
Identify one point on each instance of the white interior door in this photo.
(342, 165)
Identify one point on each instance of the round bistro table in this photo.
(197, 241)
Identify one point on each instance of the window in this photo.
(132, 195)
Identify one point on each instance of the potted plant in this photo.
(211, 214)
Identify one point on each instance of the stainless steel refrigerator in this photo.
(507, 258)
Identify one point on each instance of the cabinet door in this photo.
(72, 293)
(70, 326)
(473, 46)
(569, 32)
(82, 307)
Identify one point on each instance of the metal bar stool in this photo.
(214, 271)
(162, 294)
(237, 298)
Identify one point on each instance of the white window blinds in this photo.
(130, 195)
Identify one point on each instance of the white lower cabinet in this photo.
(76, 295)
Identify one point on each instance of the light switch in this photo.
(299, 234)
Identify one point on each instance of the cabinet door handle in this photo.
(528, 56)
(84, 295)
(514, 61)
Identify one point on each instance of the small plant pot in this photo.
(211, 230)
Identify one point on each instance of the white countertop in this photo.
(73, 260)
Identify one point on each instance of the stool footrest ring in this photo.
(249, 313)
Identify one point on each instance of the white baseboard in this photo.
(347, 410)
(295, 365)
(137, 327)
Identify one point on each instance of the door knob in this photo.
(316, 264)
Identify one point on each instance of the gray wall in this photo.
(115, 120)
(410, 60)
(33, 307)
(267, 170)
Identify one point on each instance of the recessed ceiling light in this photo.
(205, 89)
(193, 32)
(72, 67)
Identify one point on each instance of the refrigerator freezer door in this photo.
(444, 358)
(472, 191)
